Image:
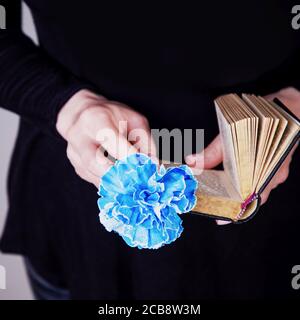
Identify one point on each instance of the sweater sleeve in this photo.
(31, 83)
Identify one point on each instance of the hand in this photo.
(94, 126)
(212, 155)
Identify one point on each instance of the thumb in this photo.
(209, 158)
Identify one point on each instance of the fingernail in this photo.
(222, 222)
(190, 159)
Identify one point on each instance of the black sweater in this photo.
(168, 61)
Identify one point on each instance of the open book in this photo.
(256, 135)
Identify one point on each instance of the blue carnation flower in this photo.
(141, 200)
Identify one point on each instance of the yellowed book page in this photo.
(219, 207)
(289, 134)
(282, 124)
(230, 117)
(255, 146)
(248, 152)
(233, 108)
(216, 195)
(217, 183)
(245, 170)
(241, 123)
(262, 104)
(263, 132)
(229, 157)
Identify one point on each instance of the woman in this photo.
(167, 63)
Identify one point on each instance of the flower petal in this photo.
(141, 201)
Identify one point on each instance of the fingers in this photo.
(139, 133)
(88, 161)
(222, 222)
(115, 144)
(71, 111)
(96, 130)
(279, 178)
(290, 96)
(92, 125)
(212, 156)
(101, 127)
(209, 157)
(136, 128)
(79, 168)
(88, 151)
(91, 165)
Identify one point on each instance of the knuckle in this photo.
(141, 120)
(86, 116)
(68, 151)
(79, 172)
(96, 113)
(70, 133)
(111, 104)
(71, 155)
(144, 121)
(104, 114)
